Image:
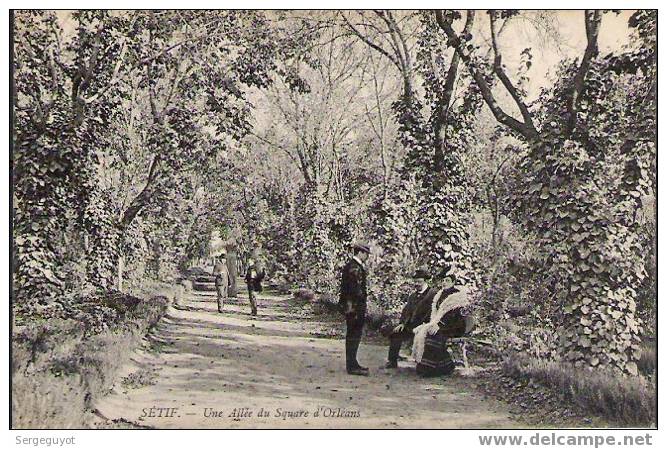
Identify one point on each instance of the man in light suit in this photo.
(222, 280)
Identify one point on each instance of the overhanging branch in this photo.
(500, 72)
(526, 130)
(370, 43)
(593, 20)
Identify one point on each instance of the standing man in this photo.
(416, 311)
(353, 294)
(222, 280)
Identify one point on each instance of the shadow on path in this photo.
(208, 361)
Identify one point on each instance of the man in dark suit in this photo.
(353, 294)
(253, 279)
(416, 311)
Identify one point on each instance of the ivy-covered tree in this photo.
(62, 109)
(432, 129)
(157, 94)
(576, 195)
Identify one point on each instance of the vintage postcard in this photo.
(333, 219)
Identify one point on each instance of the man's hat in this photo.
(362, 246)
(447, 271)
(421, 273)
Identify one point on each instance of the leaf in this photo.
(631, 367)
(534, 188)
(545, 194)
(580, 237)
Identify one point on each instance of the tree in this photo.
(181, 75)
(321, 129)
(430, 158)
(574, 196)
(62, 106)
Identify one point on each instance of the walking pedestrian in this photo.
(253, 278)
(222, 280)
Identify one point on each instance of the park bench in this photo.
(462, 344)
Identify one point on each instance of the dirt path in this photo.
(199, 366)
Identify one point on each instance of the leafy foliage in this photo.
(57, 121)
(115, 113)
(395, 215)
(581, 196)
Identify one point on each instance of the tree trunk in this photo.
(233, 271)
(121, 267)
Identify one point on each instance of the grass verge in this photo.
(622, 400)
(59, 368)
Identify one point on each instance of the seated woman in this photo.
(448, 320)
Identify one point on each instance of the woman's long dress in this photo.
(436, 360)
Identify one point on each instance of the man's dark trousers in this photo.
(355, 326)
(395, 341)
(416, 311)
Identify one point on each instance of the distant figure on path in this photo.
(353, 294)
(448, 320)
(253, 278)
(222, 280)
(416, 311)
